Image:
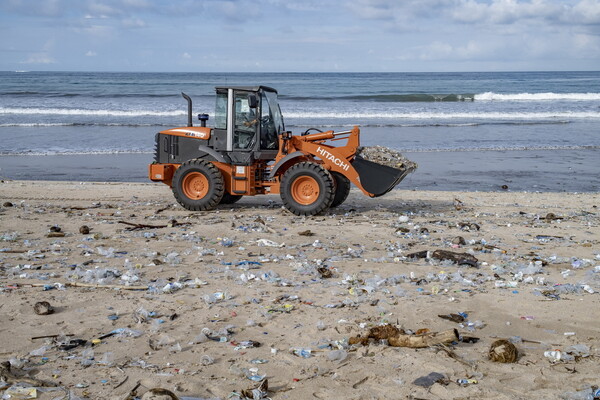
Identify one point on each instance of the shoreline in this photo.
(527, 170)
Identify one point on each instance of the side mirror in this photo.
(252, 100)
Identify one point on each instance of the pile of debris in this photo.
(386, 156)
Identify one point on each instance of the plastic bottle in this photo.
(207, 360)
(553, 355)
(337, 355)
(300, 352)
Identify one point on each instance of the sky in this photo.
(299, 35)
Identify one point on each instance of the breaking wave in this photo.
(491, 96)
(456, 97)
(443, 115)
(101, 113)
(74, 124)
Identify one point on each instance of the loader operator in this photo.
(268, 134)
(245, 125)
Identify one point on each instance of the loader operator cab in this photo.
(250, 120)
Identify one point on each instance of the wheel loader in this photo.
(248, 152)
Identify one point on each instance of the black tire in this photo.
(198, 185)
(230, 198)
(307, 189)
(342, 188)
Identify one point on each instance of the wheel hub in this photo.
(305, 190)
(195, 185)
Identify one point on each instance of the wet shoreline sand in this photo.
(563, 170)
(255, 272)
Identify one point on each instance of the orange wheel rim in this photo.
(305, 190)
(195, 185)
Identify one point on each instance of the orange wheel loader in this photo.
(248, 152)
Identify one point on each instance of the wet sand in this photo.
(526, 170)
(300, 288)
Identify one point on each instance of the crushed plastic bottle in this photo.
(301, 352)
(337, 355)
(587, 394)
(207, 360)
(553, 355)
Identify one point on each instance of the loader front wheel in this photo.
(198, 185)
(307, 189)
(342, 189)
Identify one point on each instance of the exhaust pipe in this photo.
(189, 101)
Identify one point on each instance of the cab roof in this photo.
(247, 88)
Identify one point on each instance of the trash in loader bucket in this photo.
(386, 156)
(381, 168)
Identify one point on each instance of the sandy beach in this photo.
(209, 304)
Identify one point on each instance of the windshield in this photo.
(275, 112)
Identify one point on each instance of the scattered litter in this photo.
(430, 379)
(43, 308)
(503, 351)
(400, 338)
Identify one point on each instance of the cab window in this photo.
(221, 111)
(245, 122)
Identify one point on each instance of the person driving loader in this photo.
(245, 123)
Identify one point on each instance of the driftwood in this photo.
(51, 336)
(425, 340)
(135, 226)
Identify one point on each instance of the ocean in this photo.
(468, 131)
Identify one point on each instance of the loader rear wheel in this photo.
(198, 185)
(342, 189)
(230, 198)
(307, 189)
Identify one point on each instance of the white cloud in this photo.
(186, 56)
(91, 53)
(39, 58)
(586, 12)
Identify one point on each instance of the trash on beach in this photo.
(159, 394)
(71, 344)
(269, 243)
(571, 353)
(325, 272)
(386, 156)
(503, 351)
(399, 338)
(55, 234)
(84, 229)
(301, 352)
(43, 308)
(458, 318)
(430, 379)
(258, 392)
(443, 255)
(465, 382)
(553, 356)
(11, 376)
(20, 393)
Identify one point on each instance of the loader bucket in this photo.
(378, 179)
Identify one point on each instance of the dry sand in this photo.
(249, 272)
